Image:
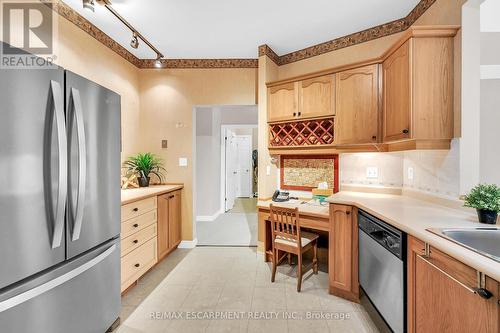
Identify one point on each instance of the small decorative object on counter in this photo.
(486, 199)
(143, 165)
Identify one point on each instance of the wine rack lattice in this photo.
(301, 133)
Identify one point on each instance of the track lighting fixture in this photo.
(89, 4)
(158, 61)
(134, 43)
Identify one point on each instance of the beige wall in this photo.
(82, 54)
(166, 112)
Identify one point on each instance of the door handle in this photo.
(76, 103)
(62, 191)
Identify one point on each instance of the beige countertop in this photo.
(134, 194)
(414, 216)
(308, 207)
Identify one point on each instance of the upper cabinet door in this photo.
(317, 97)
(357, 105)
(282, 102)
(397, 94)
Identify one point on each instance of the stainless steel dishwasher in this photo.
(382, 268)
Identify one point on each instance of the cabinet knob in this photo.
(137, 265)
(171, 197)
(294, 114)
(135, 225)
(406, 131)
(374, 137)
(348, 213)
(135, 209)
(136, 241)
(299, 113)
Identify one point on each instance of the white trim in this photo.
(209, 218)
(490, 72)
(188, 244)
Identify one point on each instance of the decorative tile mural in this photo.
(306, 172)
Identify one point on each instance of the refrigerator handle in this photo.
(76, 102)
(58, 102)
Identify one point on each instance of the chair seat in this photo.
(305, 238)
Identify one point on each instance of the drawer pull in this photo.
(135, 225)
(135, 241)
(137, 265)
(135, 209)
(171, 197)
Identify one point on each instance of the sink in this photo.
(483, 240)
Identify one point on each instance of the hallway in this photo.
(237, 227)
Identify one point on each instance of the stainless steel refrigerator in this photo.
(59, 203)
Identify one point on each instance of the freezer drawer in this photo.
(81, 296)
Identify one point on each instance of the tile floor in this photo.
(192, 287)
(238, 227)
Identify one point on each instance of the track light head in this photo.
(134, 43)
(89, 4)
(158, 61)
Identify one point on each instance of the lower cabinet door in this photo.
(441, 294)
(343, 252)
(174, 219)
(163, 224)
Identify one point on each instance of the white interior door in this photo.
(231, 169)
(244, 166)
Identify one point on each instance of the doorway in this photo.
(239, 175)
(225, 170)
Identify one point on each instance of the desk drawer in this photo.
(137, 208)
(134, 241)
(137, 262)
(138, 223)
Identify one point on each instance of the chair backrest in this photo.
(285, 223)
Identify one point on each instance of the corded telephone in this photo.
(281, 196)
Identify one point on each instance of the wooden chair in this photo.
(287, 237)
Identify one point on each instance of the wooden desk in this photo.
(310, 216)
(341, 225)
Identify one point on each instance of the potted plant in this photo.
(486, 199)
(143, 165)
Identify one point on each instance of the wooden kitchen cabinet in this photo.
(441, 294)
(282, 102)
(418, 92)
(174, 219)
(169, 222)
(343, 252)
(397, 94)
(317, 97)
(357, 105)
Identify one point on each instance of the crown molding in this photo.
(200, 63)
(363, 36)
(379, 31)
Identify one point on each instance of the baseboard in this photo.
(208, 218)
(188, 244)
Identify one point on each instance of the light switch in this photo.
(164, 143)
(183, 161)
(372, 172)
(410, 173)
(268, 170)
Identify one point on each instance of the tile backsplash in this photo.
(434, 172)
(353, 169)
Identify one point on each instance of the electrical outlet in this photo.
(164, 143)
(183, 161)
(372, 172)
(268, 170)
(410, 173)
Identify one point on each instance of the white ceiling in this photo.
(235, 28)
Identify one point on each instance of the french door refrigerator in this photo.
(59, 203)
